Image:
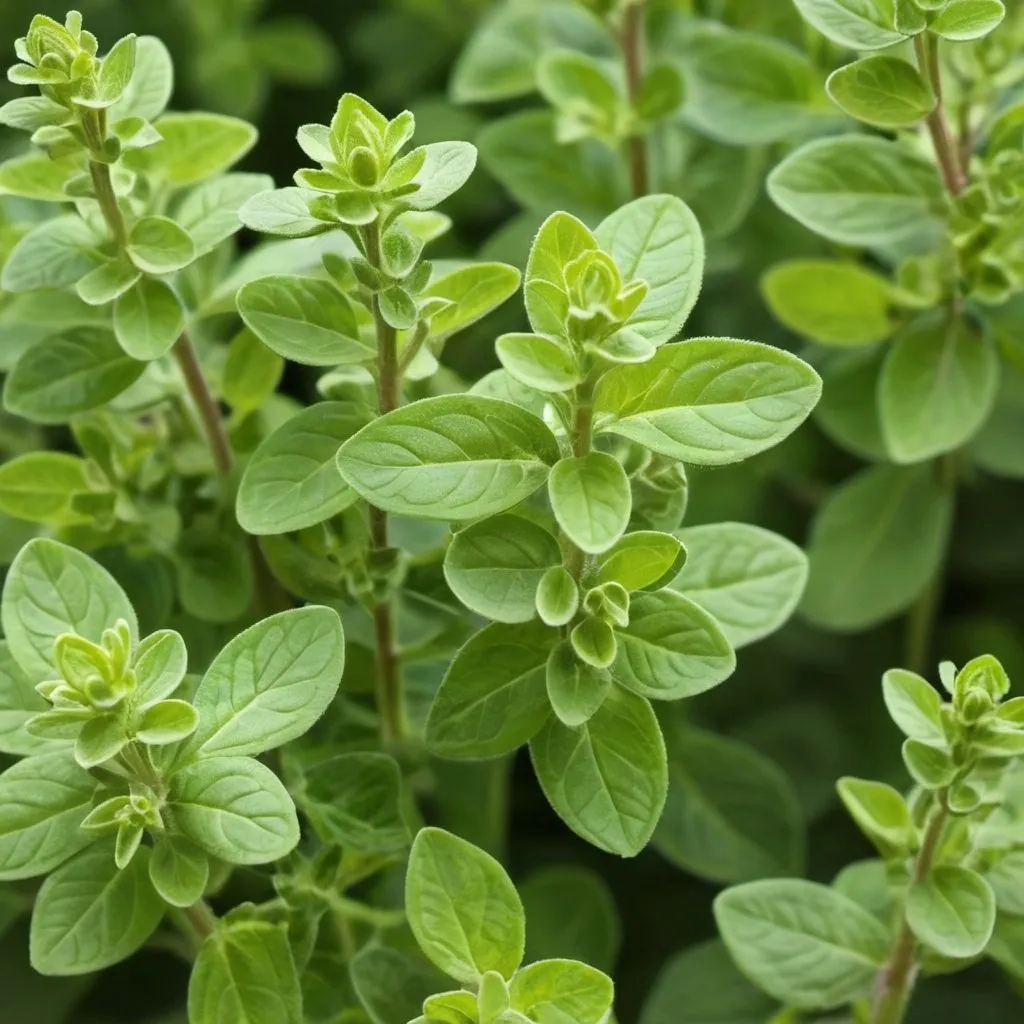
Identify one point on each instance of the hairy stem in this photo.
(631, 39)
(895, 981)
(389, 379)
(926, 48)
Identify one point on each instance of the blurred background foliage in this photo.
(806, 698)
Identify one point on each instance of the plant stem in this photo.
(389, 378)
(196, 923)
(921, 625)
(581, 438)
(895, 981)
(631, 40)
(205, 403)
(184, 352)
(926, 48)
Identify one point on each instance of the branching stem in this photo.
(895, 981)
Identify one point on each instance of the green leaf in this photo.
(179, 870)
(801, 942)
(391, 985)
(858, 190)
(27, 113)
(166, 721)
(938, 386)
(37, 176)
(875, 544)
(53, 255)
(913, 704)
(493, 697)
(210, 212)
(572, 913)
(710, 401)
(881, 813)
(101, 738)
(747, 90)
(453, 457)
(53, 589)
(591, 499)
(446, 168)
(194, 147)
(18, 703)
(494, 567)
(671, 648)
(929, 766)
(214, 574)
(295, 50)
(156, 245)
(882, 91)
(355, 800)
(41, 487)
(585, 178)
(848, 410)
(551, 988)
(701, 985)
(500, 60)
(750, 580)
(270, 683)
(292, 479)
(474, 291)
(245, 972)
(159, 663)
(657, 240)
(732, 815)
(962, 20)
(606, 780)
(90, 914)
(235, 808)
(149, 90)
(575, 689)
(581, 85)
(77, 370)
(148, 319)
(855, 24)
(107, 282)
(558, 597)
(251, 372)
(953, 910)
(538, 362)
(642, 560)
(282, 211)
(463, 908)
(829, 301)
(561, 239)
(43, 801)
(303, 319)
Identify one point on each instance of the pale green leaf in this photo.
(709, 401)
(292, 481)
(749, 579)
(607, 780)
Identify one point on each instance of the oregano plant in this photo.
(404, 615)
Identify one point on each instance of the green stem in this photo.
(184, 352)
(895, 982)
(631, 40)
(196, 923)
(389, 377)
(926, 48)
(581, 437)
(921, 625)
